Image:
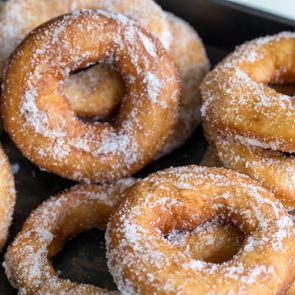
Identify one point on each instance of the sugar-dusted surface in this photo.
(213, 241)
(18, 18)
(140, 258)
(83, 258)
(273, 169)
(7, 197)
(55, 139)
(237, 99)
(190, 58)
(104, 92)
(46, 230)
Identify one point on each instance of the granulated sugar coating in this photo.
(44, 127)
(18, 18)
(249, 124)
(46, 230)
(141, 258)
(189, 56)
(238, 101)
(275, 170)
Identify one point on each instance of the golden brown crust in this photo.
(211, 241)
(189, 55)
(18, 17)
(95, 92)
(238, 101)
(273, 169)
(7, 197)
(40, 121)
(45, 231)
(142, 261)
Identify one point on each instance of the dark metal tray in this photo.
(222, 26)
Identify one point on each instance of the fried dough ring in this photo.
(238, 101)
(7, 197)
(212, 241)
(143, 262)
(97, 91)
(273, 169)
(48, 227)
(44, 127)
(191, 61)
(19, 17)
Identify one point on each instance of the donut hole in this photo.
(286, 89)
(95, 93)
(274, 62)
(213, 241)
(83, 260)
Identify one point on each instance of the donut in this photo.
(192, 63)
(48, 227)
(142, 261)
(212, 241)
(41, 122)
(7, 197)
(274, 169)
(19, 17)
(97, 91)
(238, 101)
(190, 58)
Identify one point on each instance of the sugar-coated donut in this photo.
(19, 17)
(97, 91)
(44, 127)
(212, 241)
(239, 102)
(142, 261)
(190, 58)
(273, 169)
(7, 197)
(45, 231)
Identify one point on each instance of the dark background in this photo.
(222, 26)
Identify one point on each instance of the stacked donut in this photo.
(247, 120)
